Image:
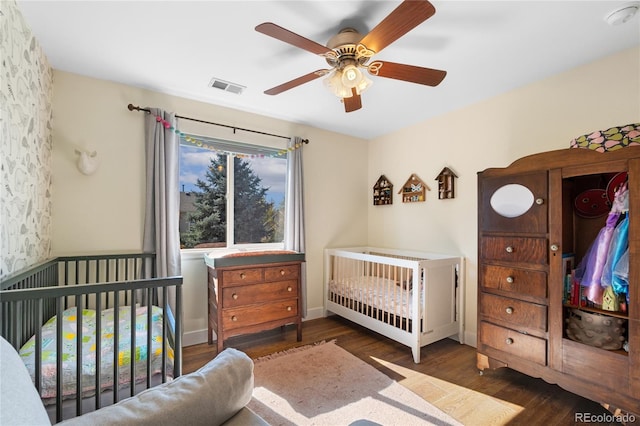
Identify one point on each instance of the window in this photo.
(230, 193)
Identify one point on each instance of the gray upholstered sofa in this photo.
(216, 394)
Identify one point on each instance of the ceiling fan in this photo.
(349, 51)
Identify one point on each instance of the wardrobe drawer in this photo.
(285, 272)
(259, 314)
(242, 276)
(514, 249)
(521, 345)
(516, 314)
(259, 293)
(519, 282)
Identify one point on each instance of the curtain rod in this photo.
(131, 107)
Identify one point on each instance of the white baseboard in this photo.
(471, 339)
(314, 313)
(194, 338)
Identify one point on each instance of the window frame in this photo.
(210, 143)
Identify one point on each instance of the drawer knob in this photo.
(288, 308)
(509, 341)
(234, 318)
(509, 310)
(281, 271)
(510, 279)
(242, 275)
(539, 201)
(235, 296)
(554, 247)
(509, 249)
(289, 288)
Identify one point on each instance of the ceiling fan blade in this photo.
(411, 73)
(408, 15)
(353, 103)
(296, 82)
(292, 38)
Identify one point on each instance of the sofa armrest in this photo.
(20, 403)
(210, 396)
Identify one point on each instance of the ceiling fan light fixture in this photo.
(351, 76)
(334, 83)
(364, 84)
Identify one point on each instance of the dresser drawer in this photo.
(514, 249)
(520, 282)
(259, 293)
(279, 273)
(259, 314)
(243, 276)
(516, 314)
(521, 345)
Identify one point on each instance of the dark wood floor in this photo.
(447, 376)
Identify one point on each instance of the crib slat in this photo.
(38, 349)
(98, 375)
(79, 315)
(149, 324)
(58, 360)
(133, 351)
(165, 298)
(177, 333)
(116, 349)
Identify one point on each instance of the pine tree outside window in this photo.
(231, 194)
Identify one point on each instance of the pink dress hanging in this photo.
(590, 269)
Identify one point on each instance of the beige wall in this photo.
(104, 211)
(539, 117)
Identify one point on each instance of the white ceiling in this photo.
(177, 47)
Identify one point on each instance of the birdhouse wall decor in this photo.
(414, 190)
(446, 184)
(382, 191)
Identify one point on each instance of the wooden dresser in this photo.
(528, 224)
(248, 294)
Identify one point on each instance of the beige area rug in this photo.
(323, 384)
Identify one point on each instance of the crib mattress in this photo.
(379, 293)
(108, 347)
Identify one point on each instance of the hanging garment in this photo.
(591, 267)
(620, 281)
(619, 245)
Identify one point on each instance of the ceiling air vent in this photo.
(227, 86)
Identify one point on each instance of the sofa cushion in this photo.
(246, 417)
(210, 396)
(20, 403)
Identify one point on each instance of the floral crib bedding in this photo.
(88, 361)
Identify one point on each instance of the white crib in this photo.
(375, 287)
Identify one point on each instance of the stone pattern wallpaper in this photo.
(25, 144)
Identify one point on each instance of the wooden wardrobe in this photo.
(523, 314)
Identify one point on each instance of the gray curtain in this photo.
(294, 211)
(161, 224)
